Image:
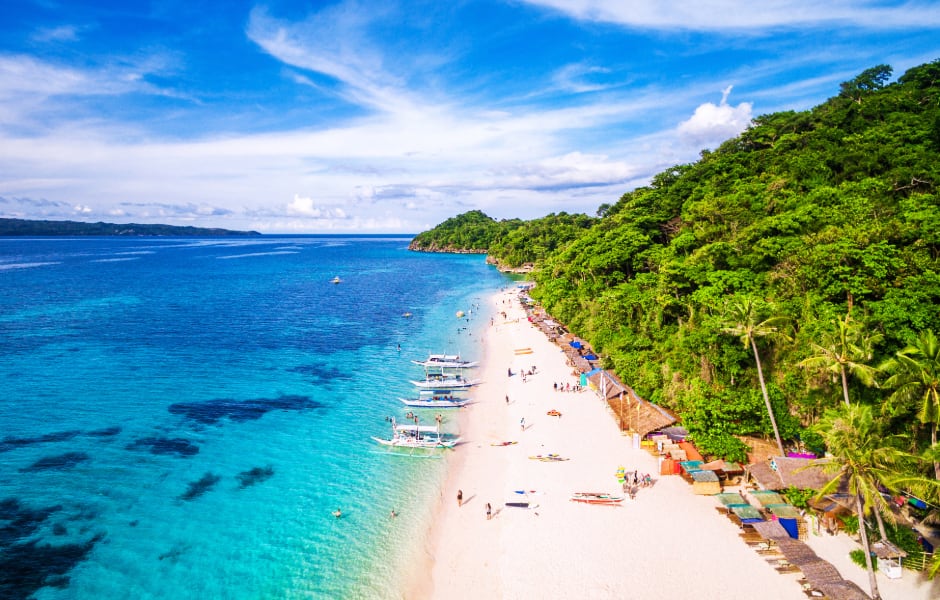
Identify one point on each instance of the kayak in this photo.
(596, 498)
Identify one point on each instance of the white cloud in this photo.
(580, 78)
(303, 206)
(711, 124)
(62, 33)
(719, 15)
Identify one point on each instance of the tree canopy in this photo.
(828, 215)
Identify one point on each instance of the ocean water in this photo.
(180, 417)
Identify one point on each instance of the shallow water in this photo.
(180, 417)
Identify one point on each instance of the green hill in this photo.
(814, 218)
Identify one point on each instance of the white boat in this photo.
(596, 498)
(445, 382)
(433, 399)
(428, 442)
(336, 280)
(445, 361)
(417, 436)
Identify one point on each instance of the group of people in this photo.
(632, 482)
(567, 387)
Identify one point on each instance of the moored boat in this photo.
(430, 399)
(445, 382)
(445, 361)
(423, 441)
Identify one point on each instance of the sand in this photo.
(665, 543)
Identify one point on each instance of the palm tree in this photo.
(861, 458)
(916, 381)
(743, 323)
(846, 352)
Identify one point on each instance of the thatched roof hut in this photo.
(843, 590)
(771, 530)
(633, 413)
(779, 473)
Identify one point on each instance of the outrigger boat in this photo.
(417, 436)
(434, 399)
(596, 498)
(445, 361)
(440, 381)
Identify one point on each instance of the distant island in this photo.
(25, 227)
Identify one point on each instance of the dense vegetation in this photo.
(786, 284)
(23, 227)
(512, 243)
(825, 220)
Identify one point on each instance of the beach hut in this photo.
(789, 517)
(691, 452)
(889, 558)
(730, 499)
(779, 473)
(747, 514)
(632, 412)
(705, 483)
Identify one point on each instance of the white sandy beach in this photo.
(666, 543)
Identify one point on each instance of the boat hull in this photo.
(435, 403)
(596, 498)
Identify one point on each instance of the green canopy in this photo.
(730, 499)
(767, 498)
(747, 513)
(784, 511)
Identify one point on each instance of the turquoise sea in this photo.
(180, 417)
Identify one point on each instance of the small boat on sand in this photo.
(548, 457)
(596, 498)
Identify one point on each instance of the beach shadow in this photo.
(467, 499)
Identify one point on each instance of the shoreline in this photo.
(667, 542)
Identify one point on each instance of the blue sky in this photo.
(390, 117)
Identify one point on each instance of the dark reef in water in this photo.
(158, 445)
(59, 461)
(319, 374)
(213, 411)
(21, 522)
(201, 486)
(255, 475)
(11, 443)
(26, 566)
(106, 432)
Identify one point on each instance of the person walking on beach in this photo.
(489, 511)
(507, 399)
(459, 497)
(522, 424)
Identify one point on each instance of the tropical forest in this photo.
(786, 285)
